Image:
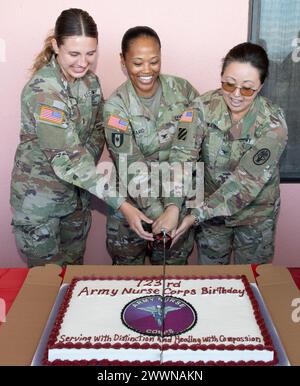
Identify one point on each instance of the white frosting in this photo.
(222, 319)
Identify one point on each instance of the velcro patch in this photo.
(182, 132)
(261, 156)
(187, 116)
(118, 123)
(50, 114)
(117, 139)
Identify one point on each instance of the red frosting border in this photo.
(268, 344)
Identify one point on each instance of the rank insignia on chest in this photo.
(187, 116)
(51, 114)
(117, 123)
(164, 136)
(117, 139)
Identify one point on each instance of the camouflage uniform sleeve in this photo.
(96, 140)
(132, 167)
(184, 155)
(70, 160)
(193, 94)
(254, 170)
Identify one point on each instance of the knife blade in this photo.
(164, 232)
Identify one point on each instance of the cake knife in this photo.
(164, 233)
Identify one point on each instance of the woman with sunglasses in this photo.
(242, 144)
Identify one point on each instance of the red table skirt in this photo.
(11, 280)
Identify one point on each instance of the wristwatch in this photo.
(196, 220)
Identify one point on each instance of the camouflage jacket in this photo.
(62, 138)
(134, 135)
(241, 161)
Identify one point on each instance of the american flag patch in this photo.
(187, 116)
(50, 114)
(118, 123)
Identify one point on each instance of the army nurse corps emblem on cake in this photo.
(145, 315)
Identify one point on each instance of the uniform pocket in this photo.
(38, 241)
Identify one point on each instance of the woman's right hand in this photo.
(185, 225)
(167, 220)
(134, 218)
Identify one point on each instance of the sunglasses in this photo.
(231, 87)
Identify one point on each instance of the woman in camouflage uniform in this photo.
(140, 121)
(62, 139)
(244, 138)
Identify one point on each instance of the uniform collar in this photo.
(136, 106)
(76, 89)
(58, 73)
(219, 115)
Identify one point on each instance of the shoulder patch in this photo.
(117, 123)
(182, 133)
(117, 139)
(261, 156)
(187, 116)
(50, 114)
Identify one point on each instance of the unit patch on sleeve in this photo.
(261, 156)
(187, 116)
(117, 123)
(117, 139)
(182, 133)
(50, 114)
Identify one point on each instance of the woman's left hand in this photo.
(168, 220)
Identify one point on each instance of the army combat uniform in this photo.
(139, 133)
(54, 172)
(241, 177)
